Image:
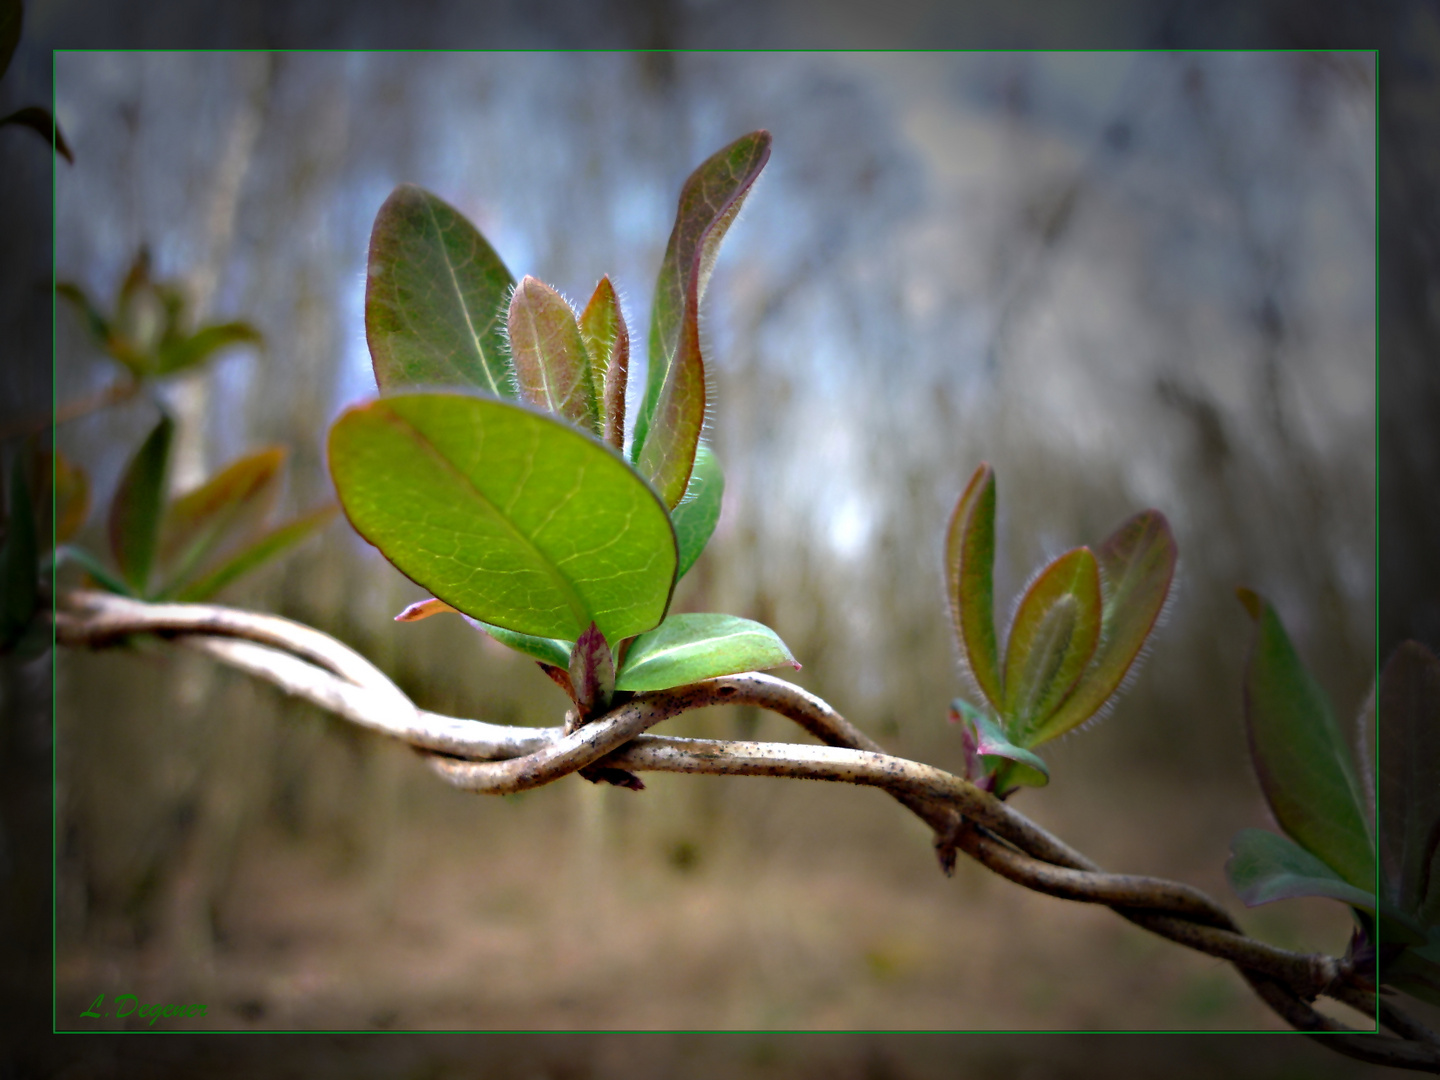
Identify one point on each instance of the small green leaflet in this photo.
(687, 648)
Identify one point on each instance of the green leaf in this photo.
(698, 512)
(687, 648)
(1053, 637)
(547, 650)
(43, 124)
(672, 412)
(435, 298)
(1299, 754)
(1137, 564)
(997, 755)
(19, 559)
(204, 343)
(592, 673)
(602, 325)
(970, 581)
(135, 512)
(507, 514)
(254, 555)
(70, 555)
(226, 510)
(551, 651)
(1408, 700)
(552, 366)
(1264, 866)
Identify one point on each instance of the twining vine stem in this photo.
(501, 759)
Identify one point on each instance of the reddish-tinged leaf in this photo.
(552, 365)
(423, 609)
(970, 580)
(1409, 735)
(672, 412)
(1056, 629)
(135, 512)
(224, 512)
(1299, 754)
(435, 298)
(592, 673)
(1137, 564)
(57, 478)
(602, 325)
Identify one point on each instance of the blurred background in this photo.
(1125, 280)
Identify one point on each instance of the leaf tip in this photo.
(1252, 601)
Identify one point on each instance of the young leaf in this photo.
(1056, 629)
(224, 511)
(507, 514)
(186, 352)
(1299, 754)
(1137, 564)
(1416, 971)
(58, 480)
(687, 648)
(602, 325)
(256, 554)
(698, 512)
(592, 673)
(549, 651)
(1409, 732)
(998, 756)
(1264, 866)
(970, 580)
(19, 558)
(135, 512)
(552, 366)
(672, 412)
(68, 554)
(435, 298)
(95, 322)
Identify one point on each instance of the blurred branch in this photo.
(500, 759)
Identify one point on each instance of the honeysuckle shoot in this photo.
(493, 470)
(1076, 634)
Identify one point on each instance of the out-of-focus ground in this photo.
(1125, 280)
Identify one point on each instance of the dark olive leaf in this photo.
(267, 547)
(1299, 754)
(1053, 637)
(203, 344)
(970, 581)
(602, 325)
(696, 516)
(1265, 866)
(19, 557)
(667, 428)
(135, 511)
(552, 365)
(43, 124)
(1137, 565)
(506, 513)
(1416, 971)
(592, 673)
(687, 648)
(62, 499)
(1409, 733)
(435, 298)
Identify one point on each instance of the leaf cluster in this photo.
(1075, 635)
(148, 330)
(494, 469)
(1317, 783)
